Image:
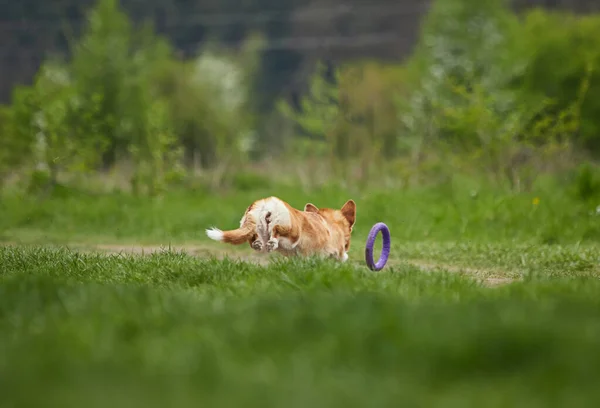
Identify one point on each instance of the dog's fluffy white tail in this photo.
(215, 234)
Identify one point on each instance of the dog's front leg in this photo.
(256, 243)
(277, 232)
(272, 243)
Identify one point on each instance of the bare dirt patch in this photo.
(488, 276)
(199, 250)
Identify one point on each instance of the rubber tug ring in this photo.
(385, 251)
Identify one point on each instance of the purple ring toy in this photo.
(385, 251)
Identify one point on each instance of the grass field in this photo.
(489, 300)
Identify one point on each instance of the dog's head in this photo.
(343, 219)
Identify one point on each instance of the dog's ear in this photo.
(349, 211)
(310, 208)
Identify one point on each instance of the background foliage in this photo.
(486, 92)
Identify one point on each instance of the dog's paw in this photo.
(272, 244)
(257, 245)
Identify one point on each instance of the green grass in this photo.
(173, 330)
(448, 214)
(516, 261)
(190, 329)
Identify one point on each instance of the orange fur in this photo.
(271, 224)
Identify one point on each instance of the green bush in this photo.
(103, 103)
(484, 90)
(468, 42)
(106, 66)
(120, 66)
(559, 60)
(210, 106)
(349, 118)
(463, 45)
(124, 97)
(477, 93)
(54, 130)
(14, 151)
(586, 182)
(158, 110)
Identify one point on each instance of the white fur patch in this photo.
(345, 257)
(215, 233)
(280, 215)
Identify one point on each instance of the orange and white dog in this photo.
(271, 224)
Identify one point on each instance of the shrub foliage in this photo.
(485, 91)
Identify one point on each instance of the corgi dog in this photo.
(271, 224)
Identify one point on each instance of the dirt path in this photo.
(489, 277)
(190, 249)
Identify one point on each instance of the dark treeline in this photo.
(297, 32)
